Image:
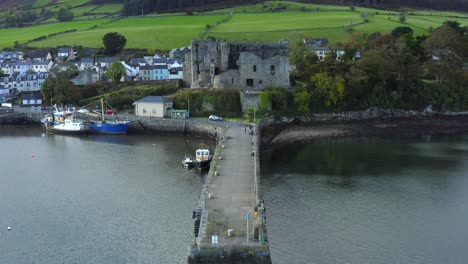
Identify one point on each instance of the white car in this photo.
(83, 111)
(215, 118)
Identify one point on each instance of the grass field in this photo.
(9, 36)
(150, 32)
(269, 21)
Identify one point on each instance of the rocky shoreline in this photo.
(380, 123)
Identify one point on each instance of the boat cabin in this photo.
(202, 154)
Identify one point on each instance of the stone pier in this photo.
(229, 218)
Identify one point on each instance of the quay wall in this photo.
(13, 118)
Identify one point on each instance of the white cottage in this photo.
(153, 106)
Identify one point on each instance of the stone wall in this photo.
(17, 119)
(272, 127)
(250, 99)
(237, 65)
(174, 127)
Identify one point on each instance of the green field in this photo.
(148, 32)
(260, 22)
(9, 36)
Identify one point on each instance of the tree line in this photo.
(141, 7)
(397, 70)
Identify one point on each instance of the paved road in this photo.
(233, 189)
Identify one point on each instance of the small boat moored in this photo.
(202, 159)
(187, 162)
(69, 126)
(64, 122)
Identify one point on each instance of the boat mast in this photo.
(102, 108)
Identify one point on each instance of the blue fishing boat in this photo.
(110, 127)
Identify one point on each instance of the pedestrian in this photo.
(245, 130)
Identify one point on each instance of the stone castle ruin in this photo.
(237, 65)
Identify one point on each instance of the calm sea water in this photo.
(368, 200)
(95, 199)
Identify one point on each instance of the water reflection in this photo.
(363, 156)
(368, 200)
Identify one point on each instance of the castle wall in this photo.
(237, 65)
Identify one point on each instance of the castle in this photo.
(237, 65)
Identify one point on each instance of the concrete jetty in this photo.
(230, 216)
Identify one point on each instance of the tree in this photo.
(58, 89)
(400, 31)
(113, 43)
(302, 101)
(456, 26)
(116, 71)
(64, 14)
(249, 113)
(304, 59)
(402, 18)
(331, 90)
(446, 38)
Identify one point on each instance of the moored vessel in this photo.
(202, 159)
(110, 127)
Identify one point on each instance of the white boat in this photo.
(69, 126)
(64, 122)
(202, 159)
(187, 162)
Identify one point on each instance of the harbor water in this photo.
(95, 199)
(368, 200)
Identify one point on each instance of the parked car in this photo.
(110, 112)
(83, 110)
(215, 118)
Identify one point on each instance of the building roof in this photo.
(106, 59)
(38, 54)
(175, 69)
(87, 60)
(64, 50)
(40, 63)
(135, 61)
(154, 99)
(317, 42)
(154, 67)
(159, 60)
(31, 96)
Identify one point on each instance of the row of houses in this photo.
(319, 47)
(28, 75)
(31, 81)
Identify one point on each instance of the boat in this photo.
(202, 159)
(187, 162)
(68, 126)
(110, 127)
(63, 122)
(55, 117)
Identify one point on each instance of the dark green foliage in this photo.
(250, 114)
(126, 94)
(58, 89)
(113, 43)
(205, 102)
(402, 18)
(64, 14)
(19, 18)
(400, 31)
(395, 71)
(265, 102)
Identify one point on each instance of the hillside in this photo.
(269, 21)
(135, 7)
